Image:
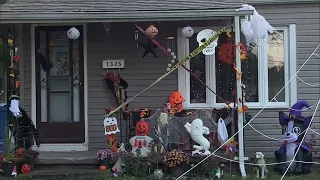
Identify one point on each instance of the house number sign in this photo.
(113, 63)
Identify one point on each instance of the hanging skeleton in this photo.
(117, 85)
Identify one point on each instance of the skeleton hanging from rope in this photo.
(117, 85)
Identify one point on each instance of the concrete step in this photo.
(67, 158)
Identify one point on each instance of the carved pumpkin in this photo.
(142, 128)
(152, 31)
(102, 168)
(25, 169)
(225, 53)
(176, 101)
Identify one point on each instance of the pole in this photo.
(239, 98)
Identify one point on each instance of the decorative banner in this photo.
(203, 36)
(180, 63)
(110, 125)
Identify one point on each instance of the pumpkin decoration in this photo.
(152, 31)
(25, 169)
(176, 102)
(142, 128)
(225, 52)
(102, 168)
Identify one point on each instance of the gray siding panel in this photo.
(307, 20)
(27, 67)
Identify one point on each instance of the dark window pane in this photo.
(198, 67)
(250, 77)
(276, 57)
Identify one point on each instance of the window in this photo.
(266, 70)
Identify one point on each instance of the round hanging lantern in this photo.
(73, 33)
(227, 56)
(187, 32)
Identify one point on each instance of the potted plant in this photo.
(176, 161)
(26, 157)
(9, 161)
(106, 157)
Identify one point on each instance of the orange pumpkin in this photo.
(102, 168)
(142, 128)
(152, 31)
(176, 101)
(225, 53)
(25, 169)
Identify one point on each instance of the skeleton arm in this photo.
(188, 127)
(206, 130)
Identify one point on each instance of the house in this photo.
(107, 31)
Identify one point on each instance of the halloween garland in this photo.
(175, 67)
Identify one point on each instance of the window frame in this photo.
(263, 87)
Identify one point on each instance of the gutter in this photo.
(128, 16)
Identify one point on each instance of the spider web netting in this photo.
(172, 130)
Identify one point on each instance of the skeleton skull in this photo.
(203, 36)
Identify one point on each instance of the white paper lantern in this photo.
(73, 33)
(187, 31)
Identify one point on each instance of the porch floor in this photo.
(70, 157)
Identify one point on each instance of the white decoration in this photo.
(73, 33)
(119, 162)
(203, 36)
(169, 50)
(142, 144)
(256, 28)
(172, 54)
(196, 131)
(169, 65)
(14, 108)
(222, 131)
(173, 61)
(168, 69)
(187, 32)
(110, 125)
(174, 57)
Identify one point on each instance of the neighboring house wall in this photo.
(139, 73)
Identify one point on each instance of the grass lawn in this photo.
(314, 175)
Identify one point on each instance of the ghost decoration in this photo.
(203, 36)
(73, 33)
(196, 131)
(255, 28)
(110, 125)
(14, 107)
(141, 143)
(187, 32)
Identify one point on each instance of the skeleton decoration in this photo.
(187, 32)
(110, 125)
(255, 28)
(293, 130)
(173, 56)
(73, 33)
(203, 36)
(141, 143)
(196, 131)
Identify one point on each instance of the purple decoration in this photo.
(283, 118)
(297, 107)
(307, 121)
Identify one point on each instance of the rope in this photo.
(254, 116)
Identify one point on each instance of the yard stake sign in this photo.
(175, 67)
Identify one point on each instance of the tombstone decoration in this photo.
(293, 130)
(196, 131)
(141, 143)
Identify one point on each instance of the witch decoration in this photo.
(293, 129)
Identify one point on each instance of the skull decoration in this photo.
(203, 36)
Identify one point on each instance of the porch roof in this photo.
(58, 11)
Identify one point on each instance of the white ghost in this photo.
(110, 125)
(196, 131)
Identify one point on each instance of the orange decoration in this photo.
(142, 128)
(152, 31)
(176, 101)
(103, 168)
(245, 108)
(17, 84)
(25, 169)
(225, 52)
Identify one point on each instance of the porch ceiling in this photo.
(57, 11)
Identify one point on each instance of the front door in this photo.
(59, 87)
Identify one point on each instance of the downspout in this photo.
(239, 97)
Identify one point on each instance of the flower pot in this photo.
(105, 162)
(7, 168)
(158, 173)
(176, 171)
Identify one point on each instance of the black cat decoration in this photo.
(293, 129)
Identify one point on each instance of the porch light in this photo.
(73, 33)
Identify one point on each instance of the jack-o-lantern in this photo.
(152, 31)
(142, 128)
(176, 102)
(227, 56)
(25, 169)
(102, 168)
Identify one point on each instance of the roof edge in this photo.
(134, 16)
